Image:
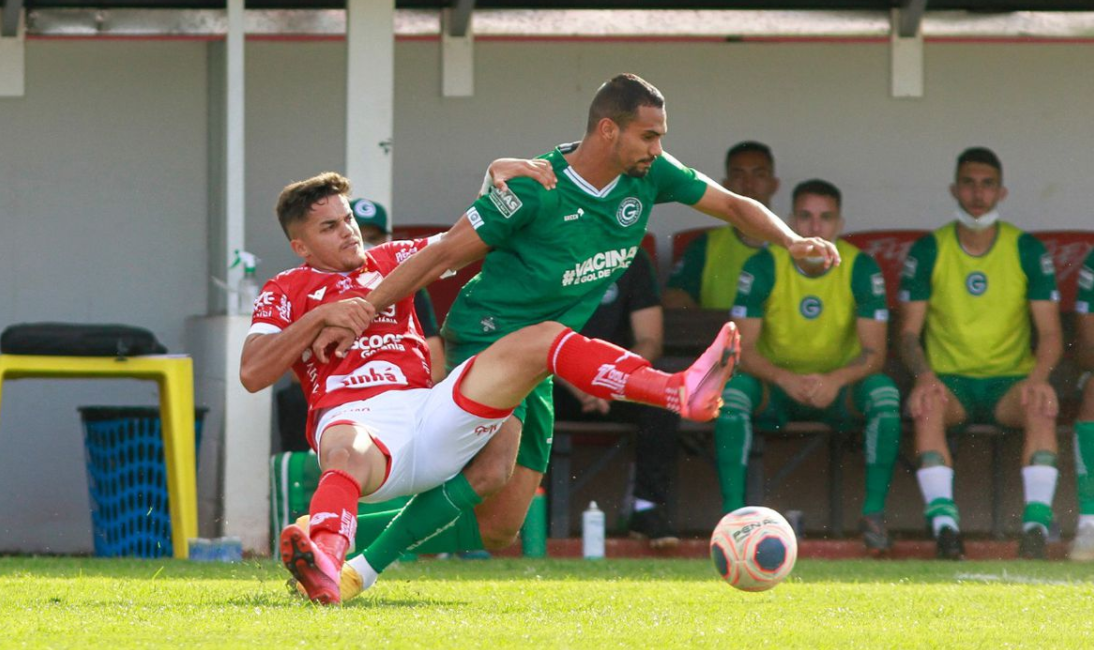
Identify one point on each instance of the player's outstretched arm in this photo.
(266, 357)
(757, 221)
(456, 249)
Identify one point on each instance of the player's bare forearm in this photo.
(912, 354)
(872, 337)
(266, 357)
(456, 249)
(750, 216)
(1085, 327)
(1050, 338)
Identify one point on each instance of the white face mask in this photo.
(983, 222)
(814, 260)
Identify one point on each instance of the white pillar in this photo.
(905, 61)
(13, 59)
(235, 211)
(457, 60)
(370, 97)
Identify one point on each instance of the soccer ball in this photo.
(753, 548)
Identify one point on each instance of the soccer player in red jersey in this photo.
(380, 427)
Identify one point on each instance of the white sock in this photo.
(641, 505)
(935, 483)
(1039, 482)
(365, 570)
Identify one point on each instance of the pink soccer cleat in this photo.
(311, 565)
(701, 385)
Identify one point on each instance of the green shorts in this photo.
(979, 395)
(536, 412)
(781, 409)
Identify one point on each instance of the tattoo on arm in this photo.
(912, 353)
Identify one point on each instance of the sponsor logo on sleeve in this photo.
(744, 283)
(284, 309)
(904, 296)
(976, 283)
(1047, 267)
(1082, 306)
(505, 201)
(910, 266)
(1086, 278)
(738, 311)
(1054, 296)
(630, 209)
(881, 314)
(877, 282)
(318, 294)
(475, 218)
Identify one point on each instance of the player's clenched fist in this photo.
(332, 341)
(815, 249)
(354, 314)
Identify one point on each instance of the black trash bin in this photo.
(127, 477)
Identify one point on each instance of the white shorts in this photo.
(428, 434)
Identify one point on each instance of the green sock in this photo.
(463, 536)
(732, 442)
(882, 409)
(881, 453)
(1084, 459)
(424, 517)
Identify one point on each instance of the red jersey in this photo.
(390, 355)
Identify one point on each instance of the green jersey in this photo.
(1084, 303)
(710, 266)
(810, 322)
(978, 321)
(554, 253)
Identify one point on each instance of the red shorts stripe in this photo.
(471, 406)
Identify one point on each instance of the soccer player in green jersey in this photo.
(1082, 548)
(550, 255)
(971, 289)
(706, 275)
(813, 342)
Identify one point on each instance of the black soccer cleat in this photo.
(1032, 544)
(874, 534)
(950, 546)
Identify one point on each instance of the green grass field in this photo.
(91, 603)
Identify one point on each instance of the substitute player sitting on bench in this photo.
(379, 426)
(972, 287)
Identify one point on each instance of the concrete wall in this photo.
(104, 188)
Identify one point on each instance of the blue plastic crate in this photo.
(127, 477)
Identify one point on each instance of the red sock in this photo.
(334, 512)
(609, 372)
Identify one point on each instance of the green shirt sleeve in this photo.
(687, 275)
(675, 182)
(915, 279)
(868, 287)
(495, 216)
(1084, 302)
(1039, 269)
(754, 286)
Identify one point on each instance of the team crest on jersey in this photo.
(505, 201)
(811, 307)
(629, 211)
(976, 283)
(910, 265)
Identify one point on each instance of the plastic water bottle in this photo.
(248, 288)
(533, 535)
(592, 532)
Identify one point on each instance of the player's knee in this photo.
(489, 476)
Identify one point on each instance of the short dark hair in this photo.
(297, 198)
(981, 155)
(750, 146)
(818, 187)
(619, 98)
